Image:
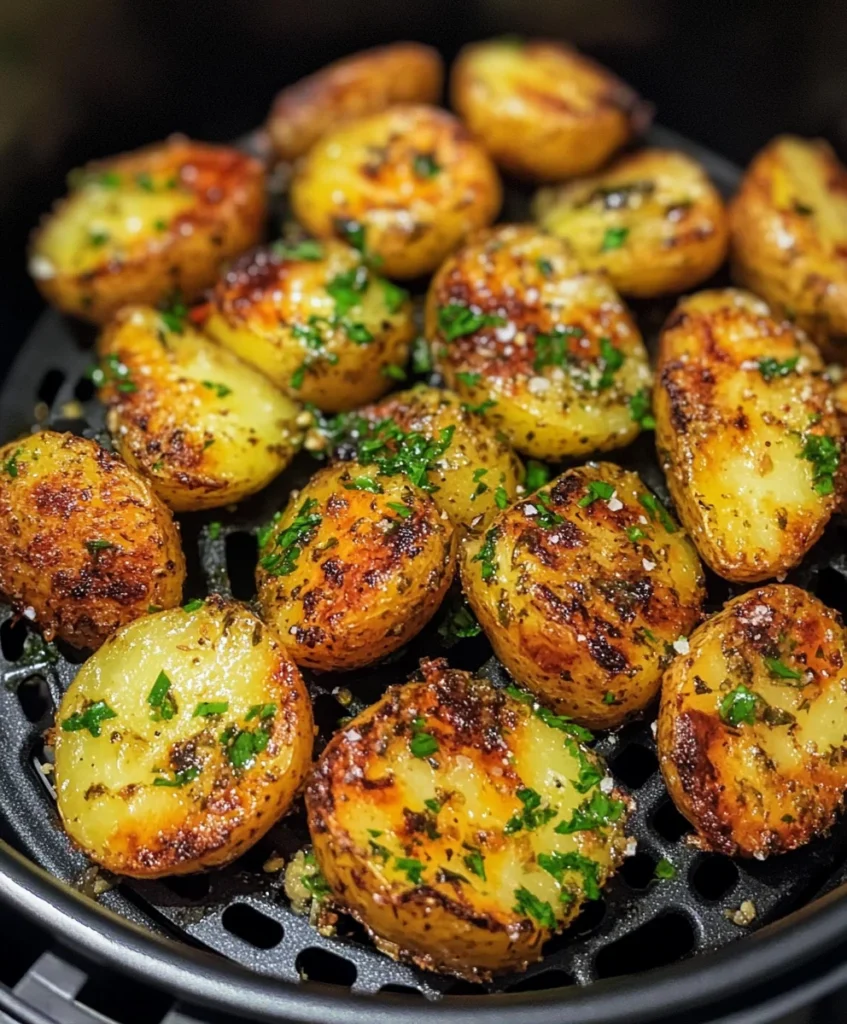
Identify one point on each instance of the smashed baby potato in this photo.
(752, 723)
(363, 83)
(85, 544)
(355, 566)
(543, 110)
(316, 320)
(407, 185)
(789, 236)
(583, 588)
(142, 226)
(463, 825)
(547, 352)
(747, 433)
(652, 221)
(205, 428)
(181, 741)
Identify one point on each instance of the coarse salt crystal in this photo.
(607, 784)
(681, 645)
(648, 565)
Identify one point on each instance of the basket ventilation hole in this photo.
(49, 386)
(21, 953)
(34, 697)
(830, 588)
(84, 390)
(74, 655)
(638, 871)
(253, 927)
(404, 990)
(543, 980)
(241, 556)
(12, 637)
(635, 765)
(327, 712)
(670, 824)
(118, 998)
(315, 964)
(714, 876)
(188, 887)
(664, 940)
(587, 921)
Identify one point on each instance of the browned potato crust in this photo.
(410, 178)
(543, 110)
(652, 221)
(747, 433)
(582, 588)
(354, 567)
(435, 816)
(752, 723)
(141, 226)
(85, 544)
(363, 83)
(789, 236)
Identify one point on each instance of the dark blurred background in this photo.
(86, 78)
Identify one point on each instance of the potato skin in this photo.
(366, 811)
(146, 224)
(366, 577)
(84, 542)
(205, 428)
(541, 109)
(411, 176)
(106, 785)
(574, 608)
(731, 436)
(789, 234)
(549, 405)
(771, 782)
(669, 217)
(363, 83)
(262, 307)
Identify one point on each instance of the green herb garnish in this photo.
(613, 238)
(532, 906)
(825, 455)
(635, 534)
(781, 670)
(552, 349)
(770, 368)
(261, 711)
(458, 624)
(611, 360)
(194, 605)
(556, 864)
(207, 708)
(394, 296)
(501, 497)
(425, 165)
(598, 812)
(308, 250)
(111, 370)
(664, 869)
(180, 778)
(364, 483)
(393, 371)
(545, 267)
(475, 863)
(161, 700)
(656, 510)
(597, 490)
(282, 560)
(422, 743)
(532, 816)
(221, 390)
(421, 356)
(10, 466)
(739, 707)
(412, 868)
(471, 379)
(487, 554)
(640, 409)
(537, 475)
(174, 314)
(89, 719)
(455, 321)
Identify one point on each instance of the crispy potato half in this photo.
(547, 352)
(354, 566)
(752, 723)
(315, 320)
(408, 184)
(205, 428)
(747, 433)
(789, 236)
(652, 221)
(181, 741)
(85, 544)
(141, 226)
(448, 450)
(543, 110)
(463, 825)
(363, 83)
(582, 588)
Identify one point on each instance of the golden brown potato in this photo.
(85, 544)
(582, 588)
(315, 320)
(463, 825)
(142, 226)
(789, 236)
(407, 184)
(181, 741)
(549, 353)
(752, 723)
(543, 110)
(355, 566)
(652, 221)
(747, 433)
(451, 452)
(363, 83)
(204, 427)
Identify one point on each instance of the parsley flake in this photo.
(425, 165)
(664, 869)
(412, 868)
(456, 321)
(656, 510)
(770, 368)
(422, 743)
(531, 906)
(180, 779)
(207, 708)
(598, 812)
(825, 455)
(781, 670)
(90, 718)
(640, 409)
(739, 707)
(221, 390)
(556, 864)
(161, 699)
(613, 238)
(597, 490)
(288, 543)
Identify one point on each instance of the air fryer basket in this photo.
(242, 913)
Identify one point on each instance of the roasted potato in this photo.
(463, 825)
(460, 459)
(408, 184)
(789, 236)
(85, 544)
(541, 109)
(181, 741)
(747, 434)
(141, 226)
(548, 352)
(752, 723)
(652, 221)
(205, 428)
(582, 589)
(315, 320)
(363, 83)
(355, 566)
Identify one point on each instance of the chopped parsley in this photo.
(739, 707)
(90, 718)
(613, 238)
(611, 360)
(10, 466)
(597, 812)
(207, 708)
(664, 869)
(537, 475)
(475, 863)
(282, 560)
(556, 864)
(314, 882)
(377, 849)
(180, 778)
(161, 699)
(242, 746)
(561, 722)
(544, 514)
(402, 510)
(640, 409)
(421, 355)
(347, 289)
(261, 711)
(471, 379)
(221, 390)
(393, 451)
(781, 670)
(432, 805)
(803, 209)
(635, 534)
(455, 321)
(656, 510)
(608, 697)
(308, 249)
(422, 743)
(393, 371)
(112, 371)
(552, 349)
(174, 314)
(597, 490)
(532, 816)
(487, 554)
(394, 296)
(480, 409)
(425, 165)
(532, 906)
(352, 232)
(96, 546)
(411, 867)
(770, 367)
(501, 497)
(214, 530)
(364, 483)
(98, 237)
(458, 624)
(589, 773)
(195, 605)
(825, 455)
(545, 267)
